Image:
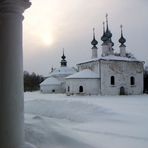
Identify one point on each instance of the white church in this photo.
(56, 83)
(109, 74)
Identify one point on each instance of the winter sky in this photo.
(52, 25)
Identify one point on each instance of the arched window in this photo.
(81, 89)
(112, 80)
(132, 80)
(68, 89)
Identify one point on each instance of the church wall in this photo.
(122, 72)
(94, 66)
(52, 89)
(90, 86)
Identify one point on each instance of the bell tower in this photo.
(107, 45)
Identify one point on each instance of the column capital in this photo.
(14, 6)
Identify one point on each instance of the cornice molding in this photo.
(14, 6)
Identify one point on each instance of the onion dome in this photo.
(104, 38)
(122, 40)
(94, 42)
(63, 56)
(108, 34)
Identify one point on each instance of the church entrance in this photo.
(122, 90)
(80, 89)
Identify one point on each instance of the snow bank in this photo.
(59, 121)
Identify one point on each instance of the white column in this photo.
(11, 73)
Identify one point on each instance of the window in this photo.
(53, 90)
(68, 89)
(81, 89)
(132, 80)
(112, 80)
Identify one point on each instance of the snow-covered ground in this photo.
(60, 121)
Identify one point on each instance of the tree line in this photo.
(32, 81)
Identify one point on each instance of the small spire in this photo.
(106, 21)
(94, 42)
(108, 34)
(94, 33)
(63, 61)
(63, 56)
(104, 38)
(121, 26)
(103, 27)
(122, 40)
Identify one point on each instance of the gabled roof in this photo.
(84, 74)
(51, 81)
(111, 58)
(63, 71)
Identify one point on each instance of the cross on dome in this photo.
(94, 42)
(122, 40)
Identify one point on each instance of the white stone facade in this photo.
(52, 85)
(83, 86)
(54, 88)
(123, 72)
(85, 82)
(92, 65)
(127, 73)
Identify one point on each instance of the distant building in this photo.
(111, 73)
(55, 82)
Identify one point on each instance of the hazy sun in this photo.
(47, 39)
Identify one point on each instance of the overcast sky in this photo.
(52, 25)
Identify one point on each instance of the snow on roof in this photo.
(111, 57)
(83, 75)
(63, 71)
(118, 58)
(51, 81)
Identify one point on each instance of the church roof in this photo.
(84, 74)
(63, 71)
(51, 81)
(111, 58)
